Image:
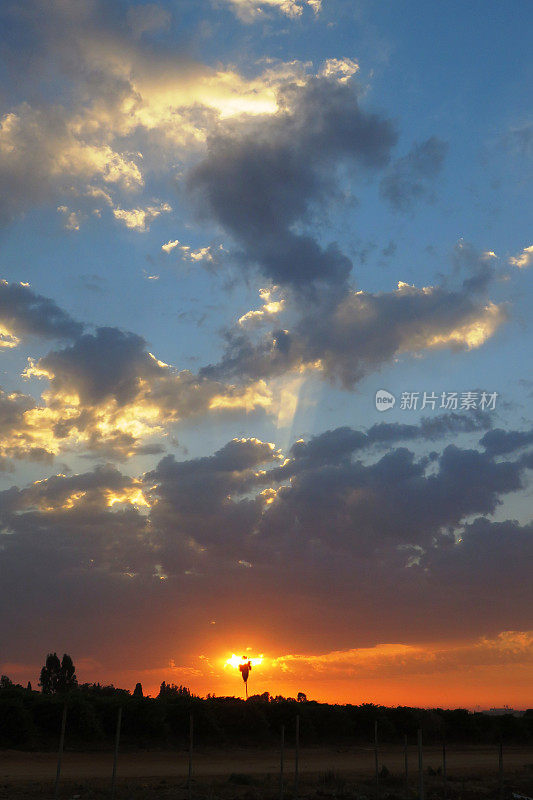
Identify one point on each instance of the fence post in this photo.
(115, 759)
(60, 751)
(296, 756)
(500, 770)
(281, 764)
(191, 738)
(444, 777)
(420, 767)
(376, 757)
(406, 767)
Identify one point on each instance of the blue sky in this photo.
(366, 167)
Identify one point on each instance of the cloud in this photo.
(409, 178)
(260, 179)
(270, 309)
(124, 108)
(523, 259)
(337, 445)
(499, 442)
(393, 660)
(25, 313)
(394, 537)
(251, 10)
(19, 438)
(477, 268)
(72, 219)
(108, 395)
(342, 69)
(41, 155)
(140, 219)
(347, 339)
(147, 18)
(207, 253)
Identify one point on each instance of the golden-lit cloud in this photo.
(144, 112)
(7, 339)
(257, 395)
(470, 334)
(390, 659)
(249, 10)
(340, 68)
(272, 306)
(75, 415)
(207, 253)
(139, 219)
(523, 259)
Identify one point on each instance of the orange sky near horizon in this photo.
(479, 674)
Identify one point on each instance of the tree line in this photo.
(30, 719)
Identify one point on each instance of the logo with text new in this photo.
(384, 400)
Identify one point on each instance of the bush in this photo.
(16, 724)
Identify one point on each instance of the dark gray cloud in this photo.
(500, 442)
(107, 364)
(476, 268)
(25, 313)
(335, 445)
(396, 501)
(379, 533)
(259, 181)
(410, 177)
(350, 337)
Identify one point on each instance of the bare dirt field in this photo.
(253, 774)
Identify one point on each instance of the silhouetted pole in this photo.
(376, 757)
(281, 758)
(420, 767)
(296, 756)
(500, 769)
(191, 738)
(444, 779)
(115, 759)
(406, 767)
(60, 751)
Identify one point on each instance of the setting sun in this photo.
(236, 661)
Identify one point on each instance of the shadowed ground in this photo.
(253, 774)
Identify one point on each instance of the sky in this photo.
(265, 343)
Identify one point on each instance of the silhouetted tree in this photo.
(58, 677)
(171, 690)
(138, 691)
(67, 674)
(28, 687)
(302, 698)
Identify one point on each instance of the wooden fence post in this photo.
(60, 751)
(420, 767)
(296, 756)
(406, 767)
(500, 770)
(444, 777)
(281, 762)
(191, 739)
(376, 757)
(115, 759)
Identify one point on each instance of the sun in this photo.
(236, 661)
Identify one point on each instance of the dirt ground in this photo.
(253, 774)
